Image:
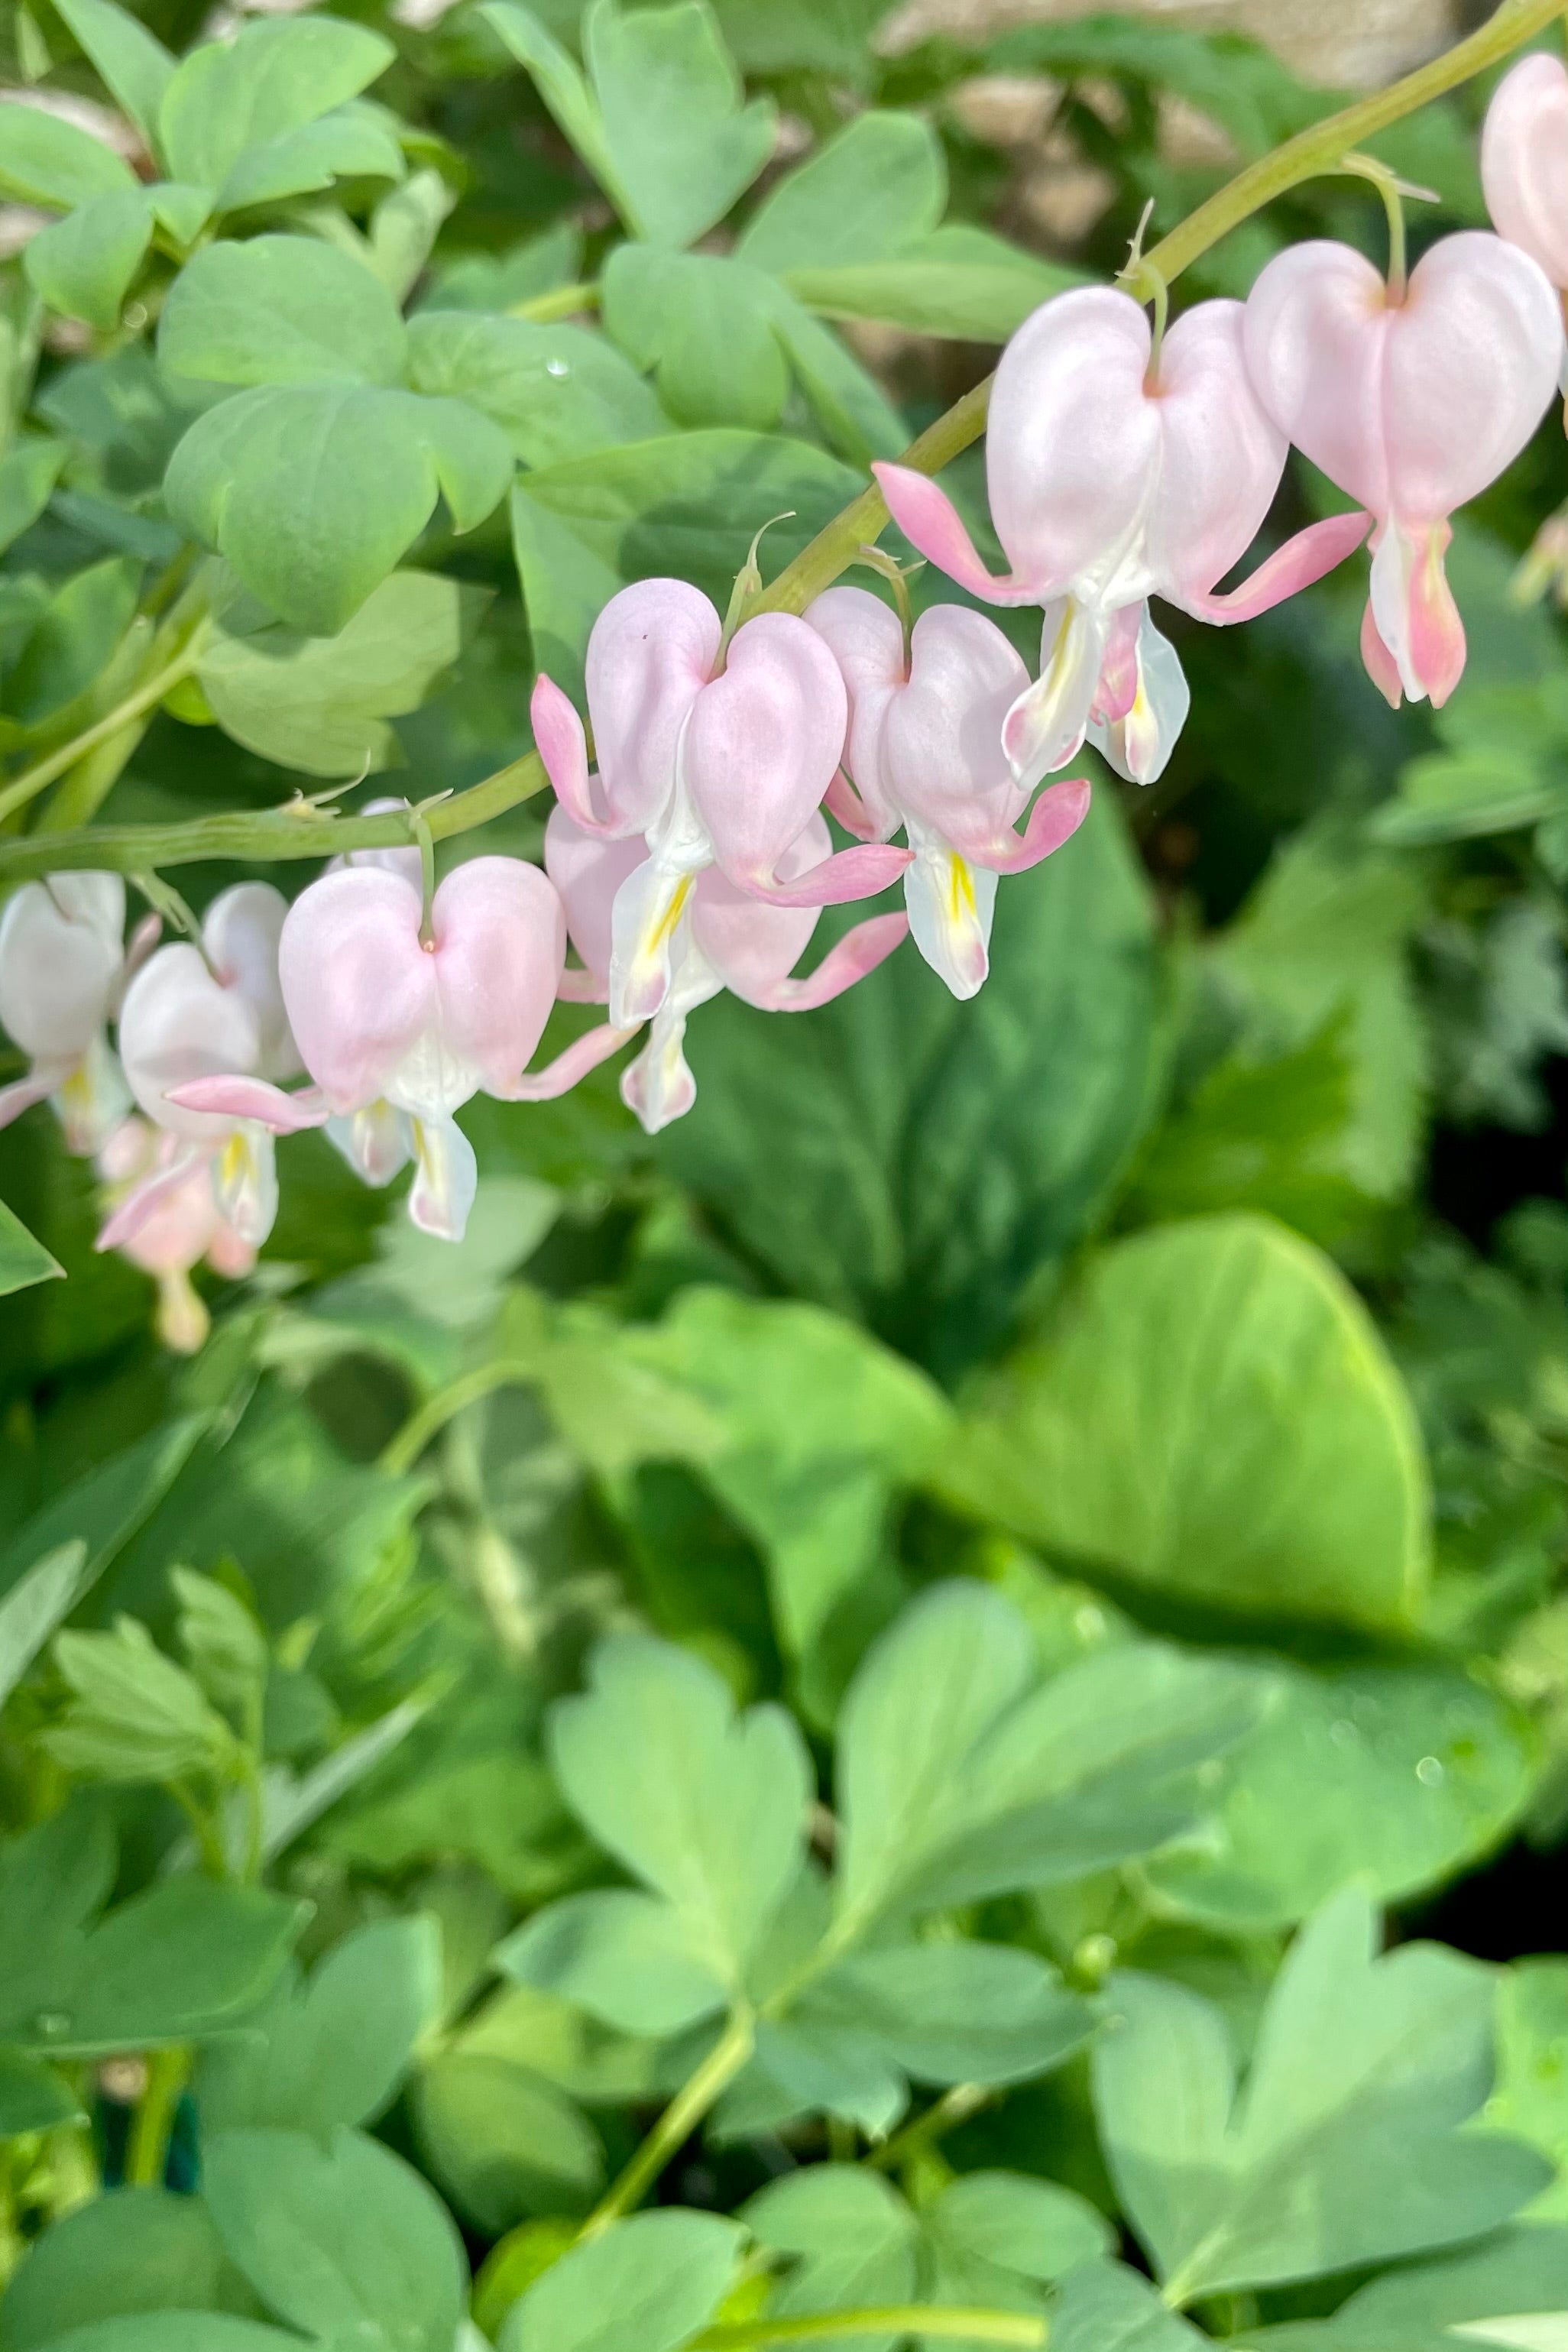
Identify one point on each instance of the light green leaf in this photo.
(184, 212)
(555, 391)
(172, 1965)
(565, 582)
(83, 266)
(1531, 2099)
(231, 96)
(828, 37)
(32, 2098)
(818, 1425)
(108, 1506)
(953, 2012)
(128, 2250)
(224, 1646)
(623, 1957)
(280, 309)
(958, 1777)
(958, 281)
(175, 2331)
(1002, 2221)
(28, 472)
(340, 2241)
(75, 639)
(134, 1714)
(918, 1161)
(351, 142)
(1444, 2306)
(876, 185)
(23, 1260)
(702, 323)
(1345, 2149)
(686, 145)
(708, 1808)
(132, 63)
(503, 2142)
(645, 2285)
(851, 2239)
(1213, 1413)
(321, 704)
(566, 94)
(1415, 1772)
(333, 2049)
(312, 492)
(48, 162)
(857, 419)
(1106, 2308)
(39, 1603)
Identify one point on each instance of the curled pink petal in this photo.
(930, 522)
(1303, 560)
(1524, 161)
(845, 802)
(859, 953)
(849, 875)
(237, 1099)
(559, 1077)
(1381, 666)
(562, 746)
(145, 1200)
(1437, 632)
(1054, 819)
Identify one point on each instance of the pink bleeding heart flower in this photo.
(1113, 478)
(62, 967)
(722, 937)
(184, 1226)
(718, 758)
(1524, 162)
(399, 1023)
(925, 751)
(1412, 403)
(192, 1013)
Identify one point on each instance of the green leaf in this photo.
(342, 2240)
(686, 145)
(853, 2241)
(23, 1260)
(37, 1603)
(958, 1777)
(280, 309)
(225, 1647)
(1415, 1772)
(133, 1714)
(1292, 1478)
(83, 266)
(132, 63)
(330, 2050)
(953, 2012)
(1434, 2306)
(566, 94)
(404, 228)
(990, 2221)
(107, 1507)
(685, 505)
(1345, 2149)
(645, 2285)
(818, 1425)
(32, 2098)
(830, 36)
(625, 1957)
(321, 704)
(1106, 2308)
(75, 639)
(708, 1808)
(228, 97)
(958, 281)
(555, 391)
(503, 2142)
(28, 472)
(702, 323)
(48, 162)
(312, 492)
(878, 185)
(175, 2331)
(351, 142)
(918, 1161)
(1531, 2099)
(172, 1965)
(129, 2251)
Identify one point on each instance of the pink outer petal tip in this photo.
(929, 521)
(559, 1077)
(253, 1100)
(859, 953)
(849, 874)
(1054, 819)
(1310, 556)
(562, 746)
(140, 1204)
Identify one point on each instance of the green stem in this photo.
(690, 2104)
(953, 2107)
(403, 1451)
(280, 833)
(147, 2151)
(561, 302)
(925, 2319)
(145, 698)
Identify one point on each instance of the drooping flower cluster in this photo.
(689, 852)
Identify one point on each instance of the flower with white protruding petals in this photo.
(62, 966)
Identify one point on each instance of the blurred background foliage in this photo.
(1205, 1282)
